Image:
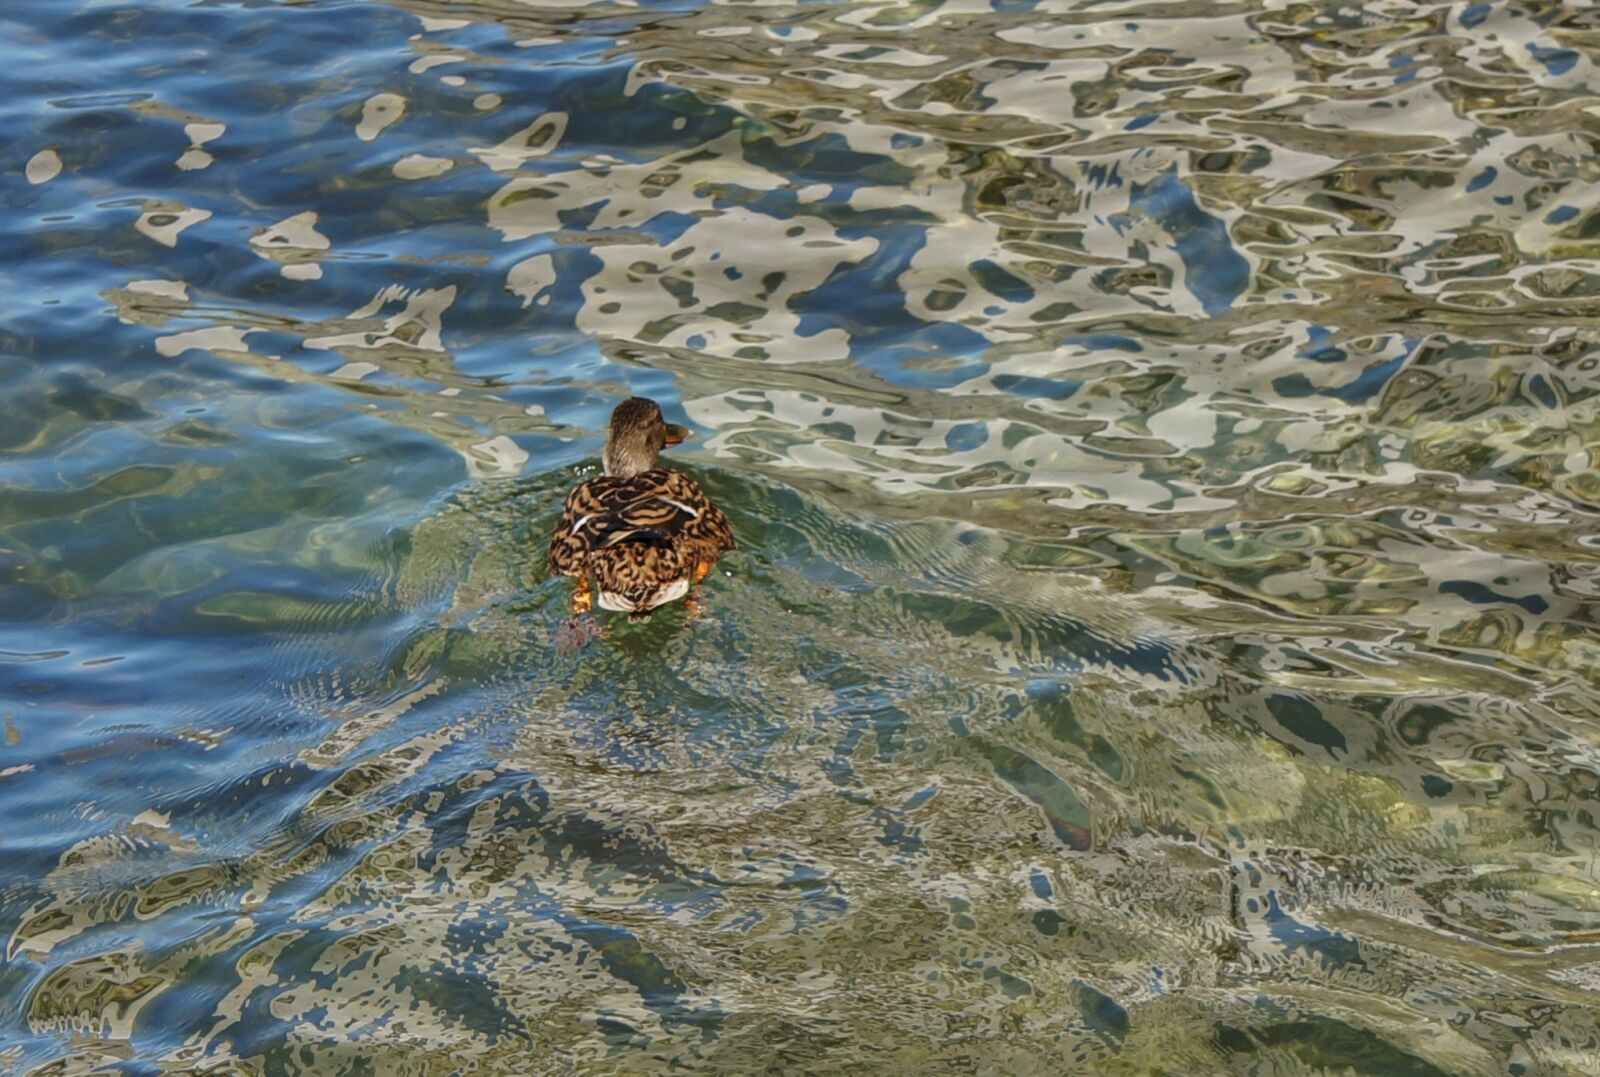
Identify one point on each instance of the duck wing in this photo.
(708, 532)
(659, 509)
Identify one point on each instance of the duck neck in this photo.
(628, 455)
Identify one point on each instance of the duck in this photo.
(639, 535)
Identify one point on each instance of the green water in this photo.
(1161, 441)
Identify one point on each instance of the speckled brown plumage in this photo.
(644, 537)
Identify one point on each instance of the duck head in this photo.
(638, 433)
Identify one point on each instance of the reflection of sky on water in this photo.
(1161, 441)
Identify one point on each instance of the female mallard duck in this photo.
(643, 533)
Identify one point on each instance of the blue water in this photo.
(1161, 446)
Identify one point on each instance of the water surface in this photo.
(1161, 438)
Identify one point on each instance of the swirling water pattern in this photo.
(1162, 439)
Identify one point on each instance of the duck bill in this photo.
(676, 433)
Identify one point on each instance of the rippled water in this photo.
(1161, 439)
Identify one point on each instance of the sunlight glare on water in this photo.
(1161, 440)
